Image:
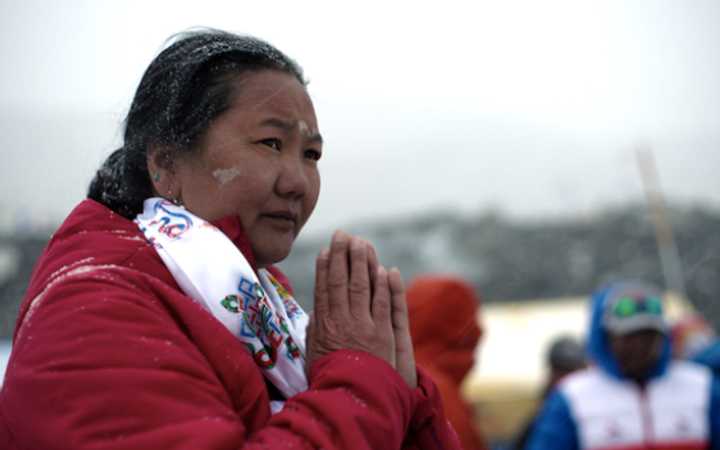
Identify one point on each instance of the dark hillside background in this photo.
(505, 259)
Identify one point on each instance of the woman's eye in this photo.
(313, 154)
(273, 143)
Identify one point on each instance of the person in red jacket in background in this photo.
(156, 319)
(443, 312)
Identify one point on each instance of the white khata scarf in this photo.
(255, 308)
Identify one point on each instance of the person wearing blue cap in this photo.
(633, 395)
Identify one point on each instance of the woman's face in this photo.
(259, 162)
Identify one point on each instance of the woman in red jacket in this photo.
(155, 318)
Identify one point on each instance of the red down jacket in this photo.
(109, 353)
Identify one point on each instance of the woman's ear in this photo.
(162, 173)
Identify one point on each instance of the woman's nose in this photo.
(292, 179)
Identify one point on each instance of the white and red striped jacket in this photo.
(670, 412)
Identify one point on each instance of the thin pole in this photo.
(667, 249)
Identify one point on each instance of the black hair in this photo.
(183, 89)
(566, 354)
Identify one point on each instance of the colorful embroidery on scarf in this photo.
(172, 224)
(252, 305)
(292, 308)
(231, 303)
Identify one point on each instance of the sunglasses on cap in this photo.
(630, 306)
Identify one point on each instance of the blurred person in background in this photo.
(634, 395)
(156, 319)
(443, 312)
(564, 356)
(695, 339)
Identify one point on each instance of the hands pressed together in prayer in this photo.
(360, 305)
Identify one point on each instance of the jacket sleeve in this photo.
(100, 362)
(554, 428)
(429, 428)
(715, 413)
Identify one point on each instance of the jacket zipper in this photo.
(648, 432)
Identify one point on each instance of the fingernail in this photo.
(339, 235)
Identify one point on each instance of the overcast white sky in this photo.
(533, 108)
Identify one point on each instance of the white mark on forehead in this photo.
(304, 128)
(226, 175)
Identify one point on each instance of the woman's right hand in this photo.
(353, 305)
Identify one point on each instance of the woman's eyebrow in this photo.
(287, 126)
(277, 123)
(315, 138)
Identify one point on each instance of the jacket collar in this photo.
(233, 229)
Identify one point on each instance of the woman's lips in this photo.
(282, 218)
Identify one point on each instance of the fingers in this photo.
(381, 299)
(353, 303)
(321, 283)
(381, 310)
(359, 288)
(338, 276)
(398, 301)
(404, 355)
(373, 265)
